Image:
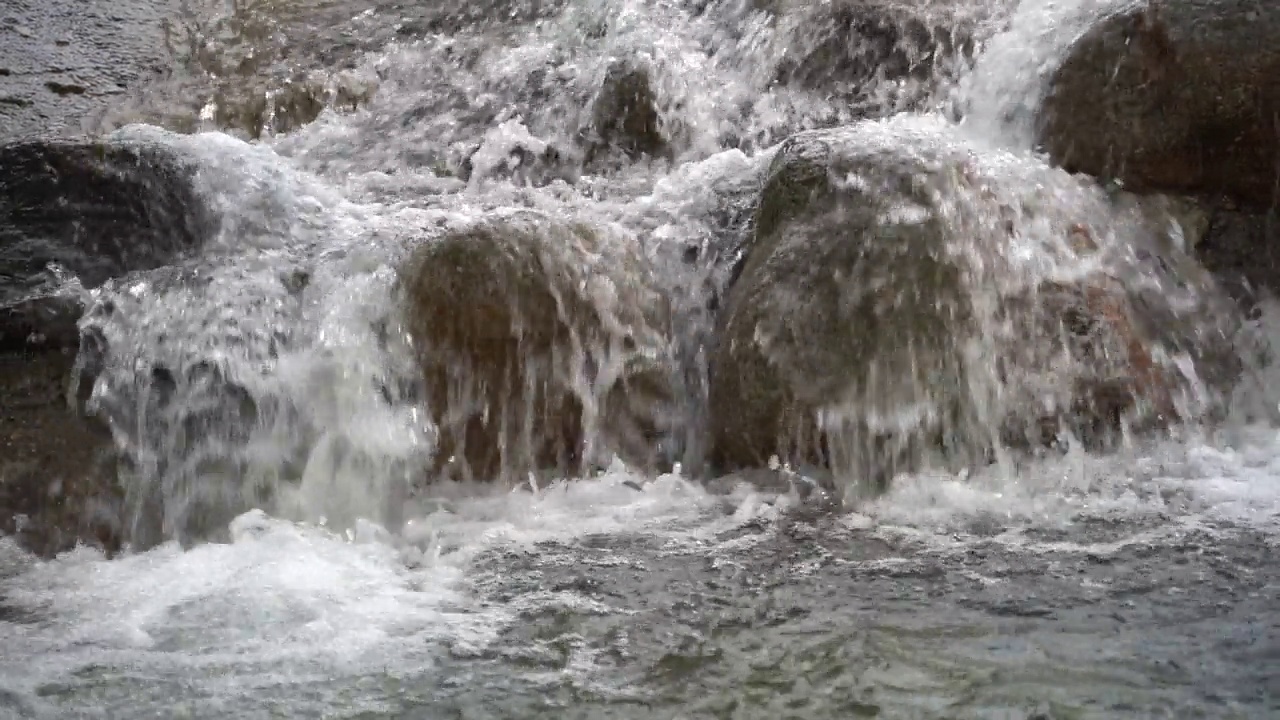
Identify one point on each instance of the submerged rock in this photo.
(538, 339)
(909, 301)
(1179, 95)
(72, 216)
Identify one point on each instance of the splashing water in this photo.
(289, 561)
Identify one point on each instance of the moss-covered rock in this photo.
(538, 339)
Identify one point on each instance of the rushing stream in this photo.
(285, 564)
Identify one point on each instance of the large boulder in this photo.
(540, 341)
(1178, 95)
(908, 300)
(72, 216)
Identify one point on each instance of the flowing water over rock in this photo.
(604, 189)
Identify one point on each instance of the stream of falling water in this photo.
(282, 567)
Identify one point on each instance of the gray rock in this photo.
(63, 61)
(536, 338)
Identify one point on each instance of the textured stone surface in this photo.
(896, 308)
(1180, 95)
(63, 61)
(535, 338)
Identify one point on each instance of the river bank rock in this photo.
(1175, 96)
(537, 338)
(72, 216)
(909, 301)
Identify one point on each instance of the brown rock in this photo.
(536, 338)
(1176, 96)
(57, 475)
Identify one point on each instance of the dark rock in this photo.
(882, 322)
(72, 216)
(57, 474)
(1243, 249)
(531, 333)
(61, 88)
(1178, 96)
(624, 117)
(878, 56)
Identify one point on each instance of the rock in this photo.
(57, 473)
(907, 301)
(88, 212)
(537, 338)
(877, 56)
(510, 152)
(66, 60)
(1243, 249)
(1178, 96)
(72, 215)
(624, 117)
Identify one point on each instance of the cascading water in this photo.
(300, 547)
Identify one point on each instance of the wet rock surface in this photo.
(63, 61)
(847, 339)
(624, 117)
(880, 57)
(535, 338)
(84, 212)
(763, 615)
(57, 477)
(1179, 95)
(73, 215)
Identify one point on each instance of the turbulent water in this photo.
(1137, 584)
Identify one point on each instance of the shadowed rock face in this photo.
(537, 338)
(56, 476)
(885, 317)
(72, 216)
(624, 117)
(88, 210)
(1180, 95)
(850, 46)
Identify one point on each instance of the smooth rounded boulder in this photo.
(1173, 96)
(543, 346)
(910, 301)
